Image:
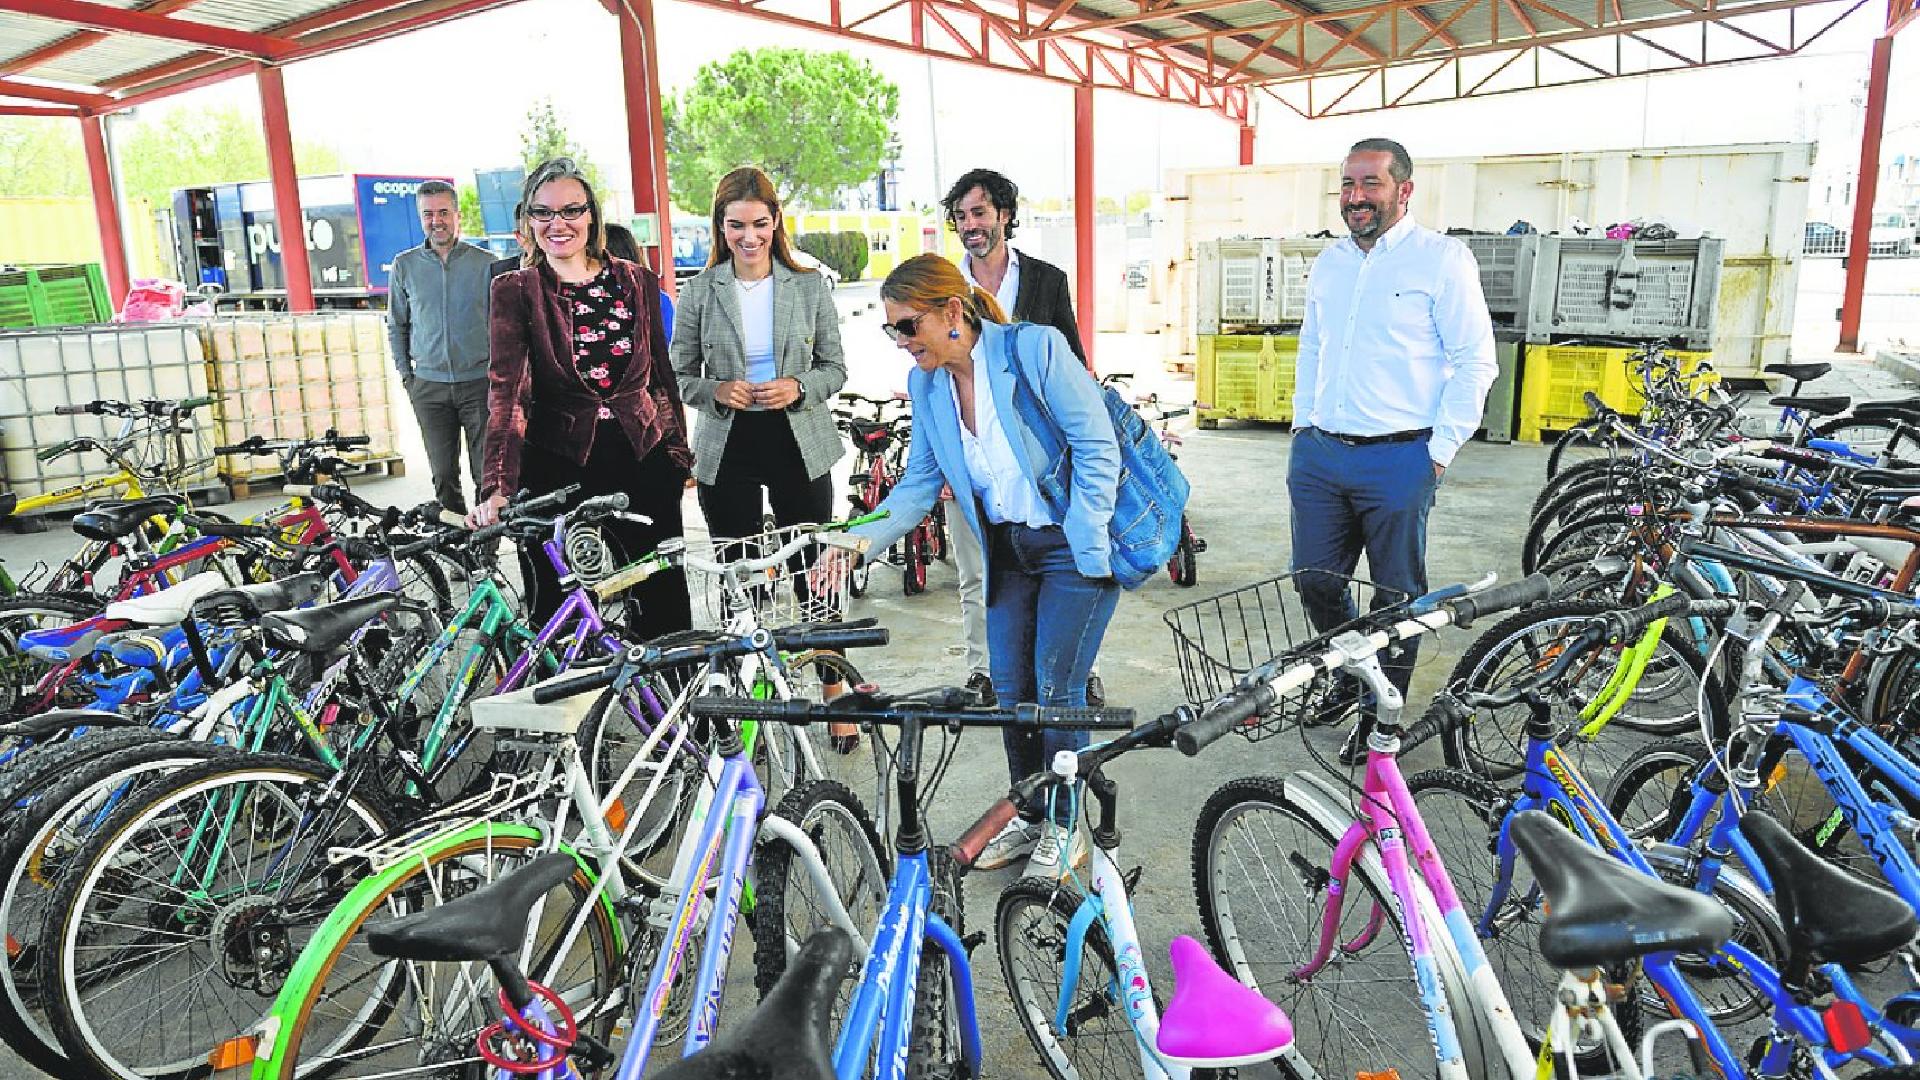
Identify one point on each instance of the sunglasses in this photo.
(570, 213)
(905, 328)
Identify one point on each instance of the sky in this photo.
(449, 100)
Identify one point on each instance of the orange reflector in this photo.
(1778, 774)
(235, 1053)
(1390, 1074)
(617, 815)
(14, 948)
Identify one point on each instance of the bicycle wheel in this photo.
(914, 573)
(189, 905)
(1261, 862)
(789, 903)
(1184, 568)
(1463, 814)
(1492, 742)
(1577, 445)
(1866, 435)
(355, 1014)
(1030, 933)
(610, 739)
(1579, 473)
(37, 853)
(19, 673)
(934, 1052)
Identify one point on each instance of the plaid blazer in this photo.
(709, 349)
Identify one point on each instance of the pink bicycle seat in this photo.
(1213, 1021)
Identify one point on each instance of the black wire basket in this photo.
(1220, 640)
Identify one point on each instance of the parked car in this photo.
(806, 260)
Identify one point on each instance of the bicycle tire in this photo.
(1869, 436)
(1512, 949)
(1184, 568)
(1491, 743)
(1578, 473)
(1608, 530)
(1374, 978)
(914, 571)
(588, 980)
(80, 1020)
(787, 908)
(1030, 933)
(934, 1052)
(35, 767)
(35, 856)
(1578, 437)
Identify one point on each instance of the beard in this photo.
(986, 241)
(1377, 220)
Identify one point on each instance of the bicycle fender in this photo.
(47, 723)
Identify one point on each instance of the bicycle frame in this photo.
(1108, 902)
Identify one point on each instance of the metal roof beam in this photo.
(79, 99)
(75, 42)
(102, 17)
(40, 110)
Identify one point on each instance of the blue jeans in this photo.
(1346, 499)
(1044, 624)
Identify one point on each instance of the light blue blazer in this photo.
(936, 457)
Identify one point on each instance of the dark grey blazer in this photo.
(1043, 299)
(709, 348)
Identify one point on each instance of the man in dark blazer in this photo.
(983, 207)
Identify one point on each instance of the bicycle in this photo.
(880, 443)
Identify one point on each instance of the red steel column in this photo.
(1083, 215)
(106, 210)
(287, 214)
(646, 133)
(1246, 144)
(1864, 193)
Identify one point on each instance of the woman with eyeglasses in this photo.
(581, 392)
(977, 384)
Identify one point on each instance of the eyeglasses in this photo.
(570, 213)
(905, 328)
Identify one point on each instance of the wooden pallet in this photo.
(260, 483)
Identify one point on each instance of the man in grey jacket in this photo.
(437, 325)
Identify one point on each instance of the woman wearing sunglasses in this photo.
(1050, 586)
(581, 392)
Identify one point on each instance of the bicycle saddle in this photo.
(1799, 372)
(168, 606)
(1831, 916)
(488, 922)
(871, 432)
(246, 603)
(326, 628)
(1887, 478)
(118, 518)
(1214, 1021)
(62, 644)
(786, 1034)
(1900, 407)
(1818, 406)
(1602, 911)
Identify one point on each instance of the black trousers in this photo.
(653, 486)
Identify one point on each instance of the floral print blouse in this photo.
(603, 327)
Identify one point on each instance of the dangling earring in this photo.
(953, 334)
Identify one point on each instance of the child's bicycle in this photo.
(879, 457)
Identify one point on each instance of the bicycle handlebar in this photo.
(651, 658)
(1261, 690)
(894, 711)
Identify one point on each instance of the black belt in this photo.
(1374, 440)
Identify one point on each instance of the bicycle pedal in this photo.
(1131, 879)
(973, 941)
(589, 1056)
(1199, 545)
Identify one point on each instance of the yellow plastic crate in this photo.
(1555, 378)
(1244, 377)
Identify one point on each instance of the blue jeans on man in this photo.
(1348, 500)
(1044, 624)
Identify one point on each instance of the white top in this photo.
(756, 318)
(1006, 493)
(1396, 339)
(1009, 289)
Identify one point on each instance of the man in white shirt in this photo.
(1396, 356)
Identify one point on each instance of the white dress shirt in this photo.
(1006, 493)
(1009, 289)
(756, 319)
(1396, 339)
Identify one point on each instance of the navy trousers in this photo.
(1352, 499)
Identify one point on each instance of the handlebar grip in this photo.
(193, 403)
(1173, 414)
(537, 503)
(568, 686)
(1532, 589)
(1222, 717)
(54, 451)
(235, 529)
(1766, 489)
(966, 849)
(70, 410)
(833, 637)
(1623, 624)
(1060, 716)
(601, 506)
(1594, 403)
(348, 442)
(737, 708)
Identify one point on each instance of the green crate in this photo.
(69, 295)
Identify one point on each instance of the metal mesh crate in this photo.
(1221, 640)
(1664, 289)
(1506, 272)
(1245, 377)
(71, 295)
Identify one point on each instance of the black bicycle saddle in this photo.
(786, 1035)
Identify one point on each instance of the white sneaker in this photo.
(1059, 850)
(1010, 843)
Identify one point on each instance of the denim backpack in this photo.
(1148, 501)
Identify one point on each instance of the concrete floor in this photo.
(1239, 506)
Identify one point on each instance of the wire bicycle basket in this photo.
(1219, 641)
(780, 596)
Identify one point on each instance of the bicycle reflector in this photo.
(1847, 1031)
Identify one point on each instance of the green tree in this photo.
(472, 223)
(40, 156)
(193, 147)
(817, 122)
(545, 137)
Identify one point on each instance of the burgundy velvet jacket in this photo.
(536, 395)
